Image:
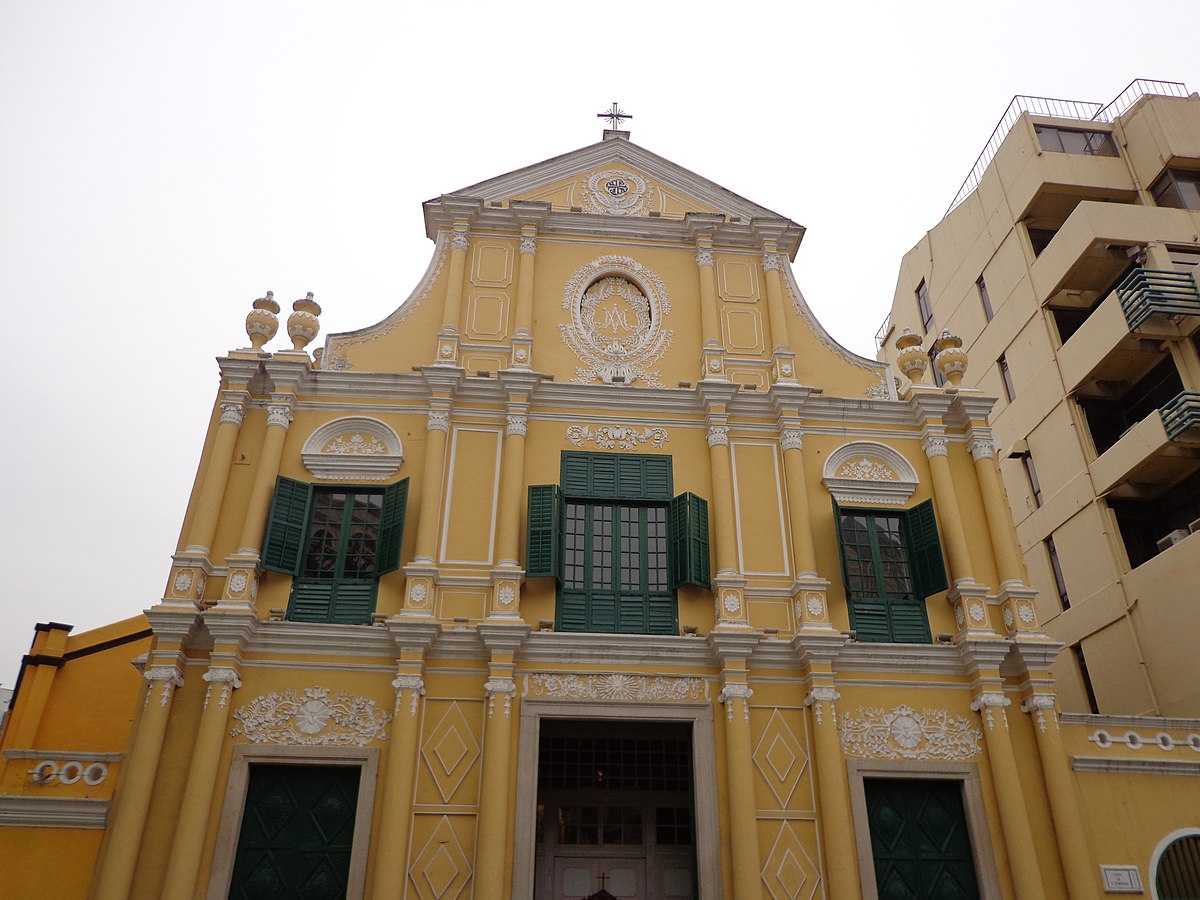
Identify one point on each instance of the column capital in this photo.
(438, 420)
(992, 699)
(516, 424)
(528, 246)
(170, 674)
(936, 445)
(460, 237)
(704, 257)
(982, 443)
(791, 438)
(772, 261)
(821, 694)
(718, 435)
(1038, 701)
(735, 690)
(280, 412)
(233, 411)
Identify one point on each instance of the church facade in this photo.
(597, 569)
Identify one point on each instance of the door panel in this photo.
(579, 878)
(919, 840)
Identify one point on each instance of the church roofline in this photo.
(738, 210)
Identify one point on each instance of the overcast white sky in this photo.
(163, 163)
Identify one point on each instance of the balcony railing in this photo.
(1158, 292)
(1083, 110)
(1181, 414)
(882, 333)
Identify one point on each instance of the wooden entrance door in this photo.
(297, 833)
(919, 840)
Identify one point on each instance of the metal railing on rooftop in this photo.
(1083, 110)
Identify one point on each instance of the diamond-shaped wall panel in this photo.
(441, 869)
(789, 872)
(450, 750)
(780, 758)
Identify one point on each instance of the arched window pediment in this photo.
(353, 448)
(869, 472)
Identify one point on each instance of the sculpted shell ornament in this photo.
(617, 307)
(616, 687)
(315, 718)
(905, 733)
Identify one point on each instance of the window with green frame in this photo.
(617, 542)
(335, 542)
(891, 561)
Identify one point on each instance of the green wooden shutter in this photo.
(354, 602)
(910, 624)
(391, 526)
(870, 621)
(283, 547)
(687, 525)
(662, 615)
(311, 600)
(576, 476)
(658, 483)
(925, 551)
(611, 476)
(544, 531)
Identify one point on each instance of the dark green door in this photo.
(919, 840)
(297, 831)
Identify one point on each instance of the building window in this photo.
(617, 543)
(1178, 189)
(1060, 583)
(1006, 377)
(923, 306)
(984, 300)
(1086, 677)
(1031, 473)
(1040, 238)
(891, 562)
(938, 378)
(1125, 404)
(1069, 140)
(335, 543)
(1177, 874)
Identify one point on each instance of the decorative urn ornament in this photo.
(951, 358)
(911, 360)
(302, 324)
(261, 321)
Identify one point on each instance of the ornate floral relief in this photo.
(879, 390)
(617, 307)
(905, 733)
(865, 469)
(616, 192)
(616, 687)
(355, 444)
(732, 602)
(506, 595)
(612, 437)
(316, 718)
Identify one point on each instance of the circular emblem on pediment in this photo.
(615, 192)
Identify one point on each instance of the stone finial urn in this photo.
(261, 321)
(951, 358)
(302, 324)
(911, 360)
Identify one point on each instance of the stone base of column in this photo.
(785, 366)
(729, 591)
(190, 570)
(506, 593)
(969, 602)
(712, 364)
(1018, 609)
(810, 604)
(420, 582)
(241, 584)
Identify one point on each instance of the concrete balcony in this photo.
(1088, 252)
(1156, 453)
(1119, 342)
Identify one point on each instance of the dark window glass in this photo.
(938, 378)
(1041, 238)
(1177, 188)
(1145, 523)
(1086, 676)
(1069, 140)
(573, 537)
(1109, 418)
(1006, 376)
(1031, 474)
(673, 826)
(876, 555)
(1060, 583)
(614, 764)
(343, 535)
(984, 300)
(923, 306)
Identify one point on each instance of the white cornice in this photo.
(544, 647)
(914, 658)
(318, 637)
(1125, 766)
(1089, 720)
(32, 811)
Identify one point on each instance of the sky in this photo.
(164, 163)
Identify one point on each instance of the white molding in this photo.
(880, 657)
(370, 465)
(1142, 766)
(449, 505)
(543, 647)
(867, 489)
(32, 811)
(66, 754)
(1162, 722)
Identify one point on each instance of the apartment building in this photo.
(1067, 264)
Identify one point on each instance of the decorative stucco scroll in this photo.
(612, 437)
(317, 717)
(615, 687)
(905, 733)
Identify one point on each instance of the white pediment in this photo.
(353, 448)
(868, 472)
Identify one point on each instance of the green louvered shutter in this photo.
(576, 475)
(610, 476)
(688, 529)
(910, 624)
(354, 602)
(925, 551)
(662, 615)
(604, 476)
(870, 621)
(571, 613)
(311, 601)
(657, 482)
(542, 543)
(283, 547)
(391, 527)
